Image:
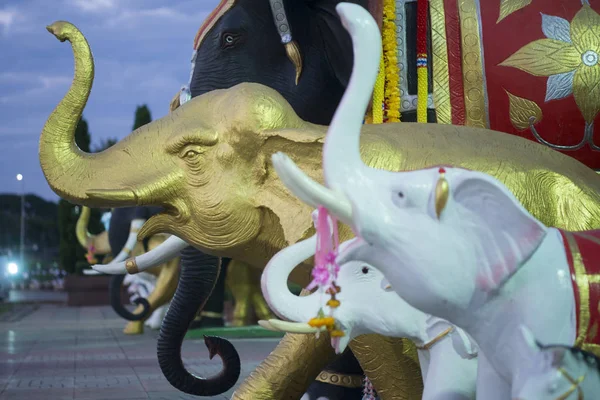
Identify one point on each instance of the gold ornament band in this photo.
(131, 266)
(442, 191)
(436, 339)
(211, 314)
(349, 381)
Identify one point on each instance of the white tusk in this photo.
(267, 325)
(164, 252)
(293, 327)
(310, 192)
(91, 272)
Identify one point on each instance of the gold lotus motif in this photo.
(569, 56)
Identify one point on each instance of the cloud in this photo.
(129, 17)
(7, 18)
(94, 5)
(42, 84)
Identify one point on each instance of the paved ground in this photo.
(51, 351)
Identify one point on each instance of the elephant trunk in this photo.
(196, 282)
(82, 226)
(341, 151)
(275, 288)
(84, 178)
(115, 301)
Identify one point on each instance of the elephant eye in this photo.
(190, 154)
(400, 195)
(365, 270)
(229, 39)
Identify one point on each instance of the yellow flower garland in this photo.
(390, 51)
(386, 94)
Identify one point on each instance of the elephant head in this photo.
(425, 222)
(298, 48)
(368, 303)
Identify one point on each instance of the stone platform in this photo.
(51, 351)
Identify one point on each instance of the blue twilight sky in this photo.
(142, 51)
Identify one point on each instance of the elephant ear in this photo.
(504, 233)
(336, 40)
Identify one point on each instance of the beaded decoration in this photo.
(422, 72)
(368, 391)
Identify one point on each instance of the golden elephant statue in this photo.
(208, 165)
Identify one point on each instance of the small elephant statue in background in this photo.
(455, 243)
(447, 355)
(142, 285)
(121, 243)
(555, 372)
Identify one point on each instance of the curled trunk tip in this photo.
(115, 301)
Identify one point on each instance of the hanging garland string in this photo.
(422, 72)
(390, 52)
(386, 94)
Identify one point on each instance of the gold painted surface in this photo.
(508, 7)
(288, 371)
(551, 57)
(94, 244)
(583, 281)
(349, 381)
(208, 163)
(442, 192)
(441, 72)
(81, 227)
(244, 282)
(523, 112)
(472, 64)
(382, 357)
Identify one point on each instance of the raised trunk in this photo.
(115, 301)
(196, 282)
(341, 151)
(81, 228)
(274, 283)
(72, 173)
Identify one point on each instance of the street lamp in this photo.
(12, 268)
(22, 244)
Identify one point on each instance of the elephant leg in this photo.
(392, 365)
(261, 308)
(289, 370)
(240, 284)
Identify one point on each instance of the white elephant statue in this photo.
(453, 243)
(555, 372)
(141, 285)
(448, 357)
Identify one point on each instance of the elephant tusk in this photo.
(91, 272)
(293, 327)
(267, 325)
(163, 253)
(310, 192)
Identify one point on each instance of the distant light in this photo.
(19, 177)
(13, 268)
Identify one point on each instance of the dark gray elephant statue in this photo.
(240, 42)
